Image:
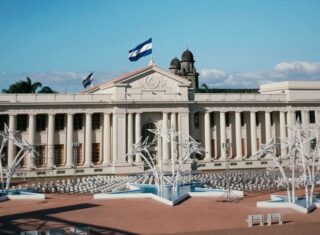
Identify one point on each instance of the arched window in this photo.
(145, 133)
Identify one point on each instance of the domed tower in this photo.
(187, 68)
(175, 65)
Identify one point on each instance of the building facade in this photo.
(92, 132)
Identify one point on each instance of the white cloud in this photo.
(303, 67)
(285, 71)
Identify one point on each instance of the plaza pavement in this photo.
(147, 216)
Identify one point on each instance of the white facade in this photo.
(91, 132)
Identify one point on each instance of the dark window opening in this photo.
(96, 121)
(78, 121)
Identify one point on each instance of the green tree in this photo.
(27, 87)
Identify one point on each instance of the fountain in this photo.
(303, 153)
(8, 173)
(169, 186)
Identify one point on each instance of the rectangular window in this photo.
(312, 117)
(59, 155)
(213, 149)
(242, 119)
(96, 121)
(41, 122)
(258, 143)
(227, 119)
(228, 150)
(59, 122)
(298, 116)
(243, 143)
(95, 153)
(22, 122)
(248, 163)
(77, 121)
(3, 120)
(196, 120)
(40, 160)
(257, 119)
(79, 155)
(212, 119)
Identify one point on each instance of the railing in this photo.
(87, 98)
(239, 97)
(59, 98)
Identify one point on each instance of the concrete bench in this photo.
(255, 219)
(275, 217)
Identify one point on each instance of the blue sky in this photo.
(235, 43)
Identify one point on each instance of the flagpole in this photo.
(151, 62)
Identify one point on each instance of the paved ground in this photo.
(146, 216)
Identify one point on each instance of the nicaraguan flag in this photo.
(141, 50)
(86, 82)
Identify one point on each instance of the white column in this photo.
(238, 135)
(50, 160)
(291, 122)
(106, 139)
(207, 135)
(88, 140)
(253, 132)
(305, 117)
(305, 122)
(69, 162)
(268, 126)
(130, 135)
(32, 132)
(183, 126)
(223, 138)
(138, 133)
(174, 127)
(165, 143)
(282, 132)
(11, 146)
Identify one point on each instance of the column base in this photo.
(238, 158)
(68, 166)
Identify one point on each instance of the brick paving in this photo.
(147, 216)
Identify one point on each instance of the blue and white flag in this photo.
(86, 82)
(141, 50)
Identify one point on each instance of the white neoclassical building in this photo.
(91, 132)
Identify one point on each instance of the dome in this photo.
(187, 56)
(175, 63)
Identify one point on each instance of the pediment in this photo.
(150, 78)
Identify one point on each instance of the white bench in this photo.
(275, 217)
(255, 219)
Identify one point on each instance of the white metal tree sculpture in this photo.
(156, 163)
(25, 149)
(303, 152)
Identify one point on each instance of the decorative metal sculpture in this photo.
(156, 163)
(25, 149)
(303, 151)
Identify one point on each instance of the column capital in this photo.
(89, 113)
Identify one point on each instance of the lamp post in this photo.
(75, 145)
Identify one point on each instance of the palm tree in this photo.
(27, 87)
(46, 89)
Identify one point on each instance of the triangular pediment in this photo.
(150, 78)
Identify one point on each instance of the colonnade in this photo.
(251, 128)
(119, 131)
